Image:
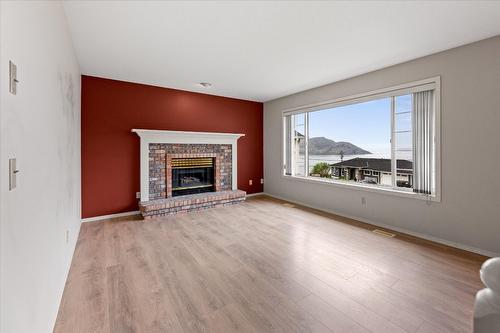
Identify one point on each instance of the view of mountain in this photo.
(324, 146)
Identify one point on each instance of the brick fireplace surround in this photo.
(160, 165)
(160, 147)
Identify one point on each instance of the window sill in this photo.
(363, 187)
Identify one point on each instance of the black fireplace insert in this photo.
(192, 175)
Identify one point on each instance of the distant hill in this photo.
(324, 146)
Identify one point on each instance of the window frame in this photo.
(433, 83)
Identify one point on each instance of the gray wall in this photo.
(40, 126)
(468, 214)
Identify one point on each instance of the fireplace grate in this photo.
(192, 175)
(197, 162)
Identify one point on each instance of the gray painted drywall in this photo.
(468, 214)
(40, 126)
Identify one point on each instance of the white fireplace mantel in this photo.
(157, 136)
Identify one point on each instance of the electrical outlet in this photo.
(13, 78)
(262, 180)
(250, 182)
(12, 174)
(363, 201)
(137, 195)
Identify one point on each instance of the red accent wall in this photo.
(110, 152)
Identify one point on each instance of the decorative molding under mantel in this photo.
(182, 137)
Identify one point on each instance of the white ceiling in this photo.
(264, 50)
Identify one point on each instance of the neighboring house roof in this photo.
(299, 135)
(377, 164)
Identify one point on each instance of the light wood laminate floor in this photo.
(263, 266)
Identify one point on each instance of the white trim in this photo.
(183, 137)
(306, 144)
(255, 194)
(402, 89)
(362, 187)
(110, 216)
(394, 163)
(394, 228)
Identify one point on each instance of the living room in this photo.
(256, 166)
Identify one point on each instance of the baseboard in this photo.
(397, 229)
(136, 212)
(255, 194)
(110, 216)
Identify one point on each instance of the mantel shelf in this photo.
(186, 136)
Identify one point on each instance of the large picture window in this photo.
(381, 140)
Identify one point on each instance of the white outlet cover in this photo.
(12, 78)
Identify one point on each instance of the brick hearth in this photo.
(193, 202)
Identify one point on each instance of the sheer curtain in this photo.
(423, 142)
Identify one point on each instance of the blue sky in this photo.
(367, 125)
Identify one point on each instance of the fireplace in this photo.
(192, 175)
(187, 171)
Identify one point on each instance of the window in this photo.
(381, 140)
(298, 125)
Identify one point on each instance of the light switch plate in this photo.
(12, 78)
(12, 174)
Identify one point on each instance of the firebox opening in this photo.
(192, 175)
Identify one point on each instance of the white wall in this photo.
(40, 126)
(468, 215)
